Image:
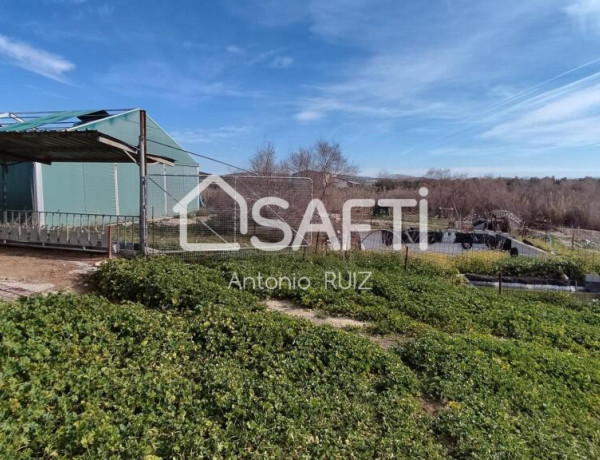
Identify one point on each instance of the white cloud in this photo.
(209, 136)
(498, 151)
(270, 13)
(309, 115)
(565, 117)
(167, 81)
(271, 58)
(388, 85)
(282, 62)
(586, 13)
(356, 20)
(234, 49)
(42, 62)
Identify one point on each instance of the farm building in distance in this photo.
(95, 188)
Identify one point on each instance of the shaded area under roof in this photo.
(68, 146)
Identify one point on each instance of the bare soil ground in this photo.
(567, 235)
(26, 271)
(313, 316)
(318, 317)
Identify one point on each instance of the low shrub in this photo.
(416, 300)
(81, 377)
(550, 267)
(490, 263)
(211, 374)
(507, 398)
(168, 284)
(479, 262)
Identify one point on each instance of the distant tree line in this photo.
(560, 202)
(324, 157)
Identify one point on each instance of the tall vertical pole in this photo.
(143, 188)
(4, 193)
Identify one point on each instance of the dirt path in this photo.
(313, 316)
(316, 317)
(25, 271)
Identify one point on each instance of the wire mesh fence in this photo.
(226, 211)
(535, 262)
(233, 211)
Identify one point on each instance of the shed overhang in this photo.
(68, 146)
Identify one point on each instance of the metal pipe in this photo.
(4, 192)
(143, 189)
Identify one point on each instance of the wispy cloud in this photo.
(564, 117)
(36, 60)
(387, 85)
(586, 13)
(270, 13)
(496, 151)
(273, 58)
(167, 81)
(282, 62)
(234, 49)
(209, 136)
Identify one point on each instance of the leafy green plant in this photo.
(201, 370)
(82, 377)
(550, 267)
(508, 398)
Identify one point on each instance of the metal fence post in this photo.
(500, 282)
(4, 193)
(143, 185)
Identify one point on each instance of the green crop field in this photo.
(167, 361)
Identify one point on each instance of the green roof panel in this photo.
(51, 119)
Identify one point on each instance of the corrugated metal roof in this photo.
(67, 146)
(47, 120)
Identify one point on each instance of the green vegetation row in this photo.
(509, 377)
(549, 267)
(424, 298)
(201, 370)
(81, 377)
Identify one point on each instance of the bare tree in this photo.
(386, 181)
(443, 173)
(325, 164)
(264, 162)
(325, 158)
(301, 160)
(330, 159)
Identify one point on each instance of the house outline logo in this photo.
(182, 206)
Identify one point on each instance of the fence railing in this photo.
(68, 230)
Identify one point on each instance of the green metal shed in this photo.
(97, 188)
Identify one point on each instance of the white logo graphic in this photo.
(182, 207)
(315, 208)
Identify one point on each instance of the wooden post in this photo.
(500, 282)
(406, 258)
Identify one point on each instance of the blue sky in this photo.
(488, 87)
